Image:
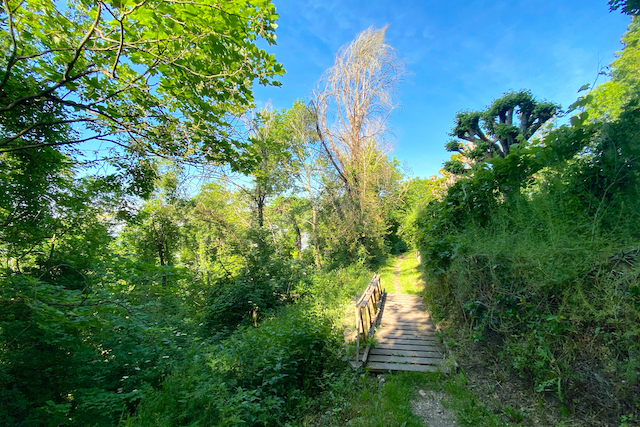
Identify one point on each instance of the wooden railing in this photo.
(368, 310)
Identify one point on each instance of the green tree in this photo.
(290, 218)
(352, 106)
(510, 120)
(214, 240)
(419, 192)
(272, 174)
(153, 77)
(309, 162)
(606, 101)
(630, 7)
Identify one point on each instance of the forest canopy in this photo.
(157, 77)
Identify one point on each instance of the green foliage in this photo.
(120, 62)
(267, 281)
(630, 7)
(389, 400)
(190, 304)
(528, 255)
(507, 124)
(606, 101)
(81, 357)
(263, 375)
(367, 230)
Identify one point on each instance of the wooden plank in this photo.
(406, 317)
(404, 308)
(402, 359)
(408, 303)
(405, 339)
(387, 323)
(403, 335)
(398, 305)
(383, 367)
(391, 315)
(413, 304)
(398, 341)
(431, 351)
(408, 332)
(370, 288)
(399, 313)
(409, 327)
(365, 355)
(364, 300)
(411, 347)
(368, 311)
(393, 329)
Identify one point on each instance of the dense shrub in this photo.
(82, 357)
(258, 376)
(264, 375)
(267, 280)
(545, 270)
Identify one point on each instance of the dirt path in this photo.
(396, 278)
(428, 404)
(429, 408)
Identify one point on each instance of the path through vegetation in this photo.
(406, 280)
(417, 399)
(396, 278)
(406, 338)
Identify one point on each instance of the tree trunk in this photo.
(161, 252)
(314, 230)
(298, 240)
(260, 208)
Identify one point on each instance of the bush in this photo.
(547, 276)
(258, 376)
(267, 281)
(79, 357)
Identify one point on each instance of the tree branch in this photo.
(35, 125)
(14, 51)
(83, 42)
(55, 144)
(47, 91)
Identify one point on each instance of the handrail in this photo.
(368, 310)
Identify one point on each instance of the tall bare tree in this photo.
(352, 104)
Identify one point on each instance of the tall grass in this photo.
(555, 293)
(402, 274)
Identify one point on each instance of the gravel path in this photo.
(429, 408)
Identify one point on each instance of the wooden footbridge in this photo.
(394, 332)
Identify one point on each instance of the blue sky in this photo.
(460, 56)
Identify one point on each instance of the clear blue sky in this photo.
(460, 54)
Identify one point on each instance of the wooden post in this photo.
(357, 332)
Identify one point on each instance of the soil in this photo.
(498, 388)
(429, 408)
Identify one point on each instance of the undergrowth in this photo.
(262, 375)
(545, 273)
(388, 400)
